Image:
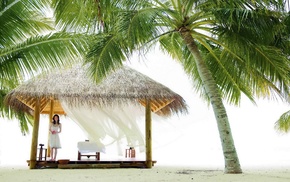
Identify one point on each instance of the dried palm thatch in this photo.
(124, 86)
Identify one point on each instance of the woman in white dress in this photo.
(54, 141)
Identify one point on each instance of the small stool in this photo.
(40, 154)
(130, 153)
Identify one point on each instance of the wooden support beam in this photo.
(51, 112)
(156, 104)
(148, 134)
(33, 151)
(31, 102)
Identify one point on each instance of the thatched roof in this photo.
(124, 86)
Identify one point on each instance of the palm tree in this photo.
(229, 48)
(29, 44)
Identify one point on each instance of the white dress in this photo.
(54, 138)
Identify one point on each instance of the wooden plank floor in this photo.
(87, 164)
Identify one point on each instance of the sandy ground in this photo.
(157, 173)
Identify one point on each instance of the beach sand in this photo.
(157, 173)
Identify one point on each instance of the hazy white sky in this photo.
(190, 140)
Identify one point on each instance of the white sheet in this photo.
(88, 147)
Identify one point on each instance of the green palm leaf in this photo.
(21, 19)
(283, 123)
(102, 55)
(41, 53)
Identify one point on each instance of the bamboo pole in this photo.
(51, 112)
(148, 134)
(33, 151)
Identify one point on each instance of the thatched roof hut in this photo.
(124, 86)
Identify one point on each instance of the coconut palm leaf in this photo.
(40, 53)
(283, 123)
(22, 19)
(82, 16)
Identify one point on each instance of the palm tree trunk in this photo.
(232, 164)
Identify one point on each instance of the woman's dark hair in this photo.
(55, 122)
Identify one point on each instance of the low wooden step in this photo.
(87, 166)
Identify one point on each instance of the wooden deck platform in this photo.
(87, 164)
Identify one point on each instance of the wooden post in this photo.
(51, 112)
(33, 151)
(148, 134)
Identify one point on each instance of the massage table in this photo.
(88, 149)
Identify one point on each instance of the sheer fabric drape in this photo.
(110, 127)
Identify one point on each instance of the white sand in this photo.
(157, 173)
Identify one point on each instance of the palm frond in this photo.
(283, 123)
(22, 116)
(172, 44)
(265, 65)
(22, 19)
(138, 26)
(40, 53)
(82, 16)
(105, 56)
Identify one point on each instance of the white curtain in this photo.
(110, 127)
